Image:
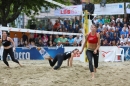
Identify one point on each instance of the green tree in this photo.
(11, 9)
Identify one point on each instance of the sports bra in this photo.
(67, 55)
(92, 38)
(5, 42)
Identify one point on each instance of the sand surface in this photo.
(39, 73)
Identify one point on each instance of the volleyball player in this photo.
(8, 48)
(93, 40)
(59, 58)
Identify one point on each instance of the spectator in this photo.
(124, 32)
(112, 19)
(123, 39)
(60, 21)
(100, 28)
(71, 40)
(125, 21)
(128, 45)
(121, 44)
(119, 27)
(73, 23)
(75, 43)
(106, 20)
(51, 39)
(77, 39)
(41, 27)
(40, 44)
(45, 40)
(16, 40)
(76, 30)
(57, 39)
(50, 44)
(81, 28)
(116, 39)
(76, 21)
(24, 37)
(95, 20)
(56, 25)
(117, 32)
(80, 20)
(113, 43)
(64, 40)
(71, 30)
(119, 19)
(21, 43)
(26, 44)
(32, 44)
(129, 34)
(110, 33)
(66, 24)
(108, 39)
(31, 38)
(59, 45)
(105, 43)
(37, 39)
(125, 26)
(49, 25)
(101, 20)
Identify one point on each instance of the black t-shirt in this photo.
(67, 55)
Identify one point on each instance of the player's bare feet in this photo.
(95, 70)
(48, 58)
(20, 65)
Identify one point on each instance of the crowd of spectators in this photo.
(114, 31)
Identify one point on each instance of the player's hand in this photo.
(80, 52)
(95, 51)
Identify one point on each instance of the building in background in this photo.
(44, 14)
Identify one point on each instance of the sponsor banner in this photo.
(24, 53)
(110, 9)
(126, 53)
(69, 11)
(107, 53)
(128, 8)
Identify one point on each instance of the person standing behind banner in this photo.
(90, 8)
(16, 40)
(93, 39)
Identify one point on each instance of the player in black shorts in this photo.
(59, 58)
(8, 44)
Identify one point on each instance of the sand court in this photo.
(39, 73)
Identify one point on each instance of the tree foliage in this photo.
(11, 9)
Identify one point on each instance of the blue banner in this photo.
(36, 53)
(126, 53)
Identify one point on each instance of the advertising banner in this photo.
(24, 53)
(107, 53)
(109, 9)
(126, 53)
(128, 8)
(69, 11)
